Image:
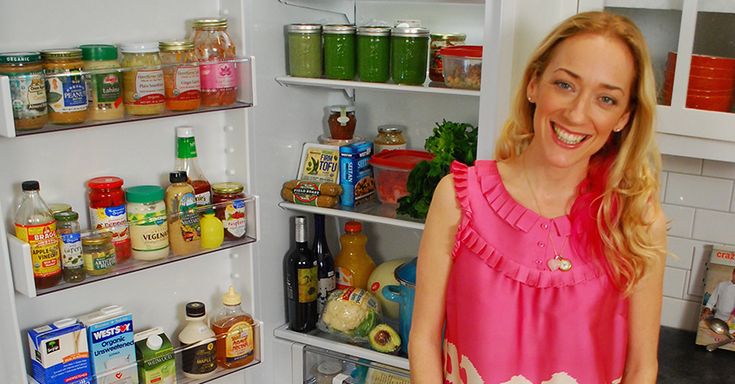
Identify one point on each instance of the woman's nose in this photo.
(576, 111)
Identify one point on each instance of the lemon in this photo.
(213, 232)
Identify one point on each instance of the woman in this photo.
(547, 265)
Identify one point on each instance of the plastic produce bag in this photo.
(350, 314)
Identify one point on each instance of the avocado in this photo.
(384, 339)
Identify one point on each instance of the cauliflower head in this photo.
(352, 311)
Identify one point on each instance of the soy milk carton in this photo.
(111, 345)
(59, 353)
(156, 363)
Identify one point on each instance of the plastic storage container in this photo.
(462, 66)
(391, 169)
(440, 41)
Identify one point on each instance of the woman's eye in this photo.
(608, 100)
(563, 84)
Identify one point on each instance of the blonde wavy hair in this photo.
(623, 175)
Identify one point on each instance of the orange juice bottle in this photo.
(353, 265)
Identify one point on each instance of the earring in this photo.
(618, 130)
(530, 100)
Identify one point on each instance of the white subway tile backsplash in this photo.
(699, 191)
(682, 164)
(718, 169)
(718, 227)
(680, 252)
(696, 277)
(675, 282)
(680, 220)
(678, 313)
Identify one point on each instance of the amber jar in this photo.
(229, 200)
(342, 121)
(180, 75)
(27, 88)
(66, 88)
(389, 137)
(217, 54)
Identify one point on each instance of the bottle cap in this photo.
(58, 207)
(66, 216)
(231, 297)
(195, 309)
(144, 194)
(353, 226)
(30, 185)
(185, 131)
(105, 182)
(227, 188)
(177, 177)
(98, 52)
(154, 342)
(61, 54)
(144, 47)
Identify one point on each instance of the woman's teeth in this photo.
(568, 137)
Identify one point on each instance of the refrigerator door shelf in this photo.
(20, 258)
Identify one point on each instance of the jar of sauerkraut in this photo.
(217, 58)
(143, 79)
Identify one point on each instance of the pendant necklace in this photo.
(558, 261)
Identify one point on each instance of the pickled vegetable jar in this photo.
(218, 69)
(181, 77)
(98, 253)
(409, 54)
(304, 50)
(27, 88)
(373, 54)
(143, 79)
(339, 51)
(104, 88)
(65, 86)
(439, 41)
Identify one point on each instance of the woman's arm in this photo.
(434, 263)
(644, 317)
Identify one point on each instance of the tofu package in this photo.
(111, 345)
(356, 173)
(59, 353)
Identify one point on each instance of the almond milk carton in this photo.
(111, 345)
(59, 353)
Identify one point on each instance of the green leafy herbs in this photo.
(450, 141)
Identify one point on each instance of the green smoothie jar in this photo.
(304, 50)
(409, 54)
(373, 54)
(339, 51)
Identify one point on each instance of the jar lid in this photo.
(473, 51)
(98, 52)
(144, 194)
(391, 128)
(61, 54)
(20, 57)
(410, 32)
(58, 207)
(210, 22)
(339, 29)
(449, 36)
(195, 309)
(178, 177)
(98, 238)
(304, 28)
(329, 367)
(227, 188)
(353, 226)
(167, 46)
(144, 47)
(66, 216)
(105, 182)
(30, 185)
(231, 297)
(373, 30)
(339, 108)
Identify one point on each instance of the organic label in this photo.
(112, 218)
(44, 247)
(108, 88)
(71, 251)
(149, 87)
(345, 279)
(28, 95)
(148, 232)
(190, 229)
(67, 93)
(199, 359)
(204, 198)
(308, 284)
(187, 83)
(239, 342)
(219, 77)
(234, 220)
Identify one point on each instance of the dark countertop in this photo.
(680, 361)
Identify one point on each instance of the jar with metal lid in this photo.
(339, 51)
(373, 54)
(342, 121)
(72, 264)
(27, 88)
(107, 212)
(147, 222)
(439, 41)
(104, 88)
(229, 201)
(216, 54)
(58, 207)
(409, 55)
(143, 91)
(181, 76)
(304, 50)
(66, 88)
(98, 253)
(389, 137)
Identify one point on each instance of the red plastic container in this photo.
(391, 170)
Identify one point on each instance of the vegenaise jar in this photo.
(216, 54)
(373, 54)
(181, 76)
(104, 88)
(409, 54)
(304, 50)
(147, 221)
(107, 212)
(143, 79)
(27, 88)
(229, 200)
(66, 88)
(339, 51)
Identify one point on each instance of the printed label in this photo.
(326, 286)
(187, 82)
(234, 221)
(148, 87)
(199, 359)
(308, 284)
(391, 147)
(345, 279)
(149, 231)
(100, 261)
(204, 198)
(219, 77)
(71, 251)
(107, 88)
(67, 93)
(239, 342)
(28, 95)
(112, 218)
(190, 229)
(44, 247)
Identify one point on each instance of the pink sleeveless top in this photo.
(509, 318)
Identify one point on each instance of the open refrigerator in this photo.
(257, 142)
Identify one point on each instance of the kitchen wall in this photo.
(698, 200)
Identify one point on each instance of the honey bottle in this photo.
(233, 328)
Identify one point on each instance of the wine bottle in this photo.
(301, 281)
(325, 263)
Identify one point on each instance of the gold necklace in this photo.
(558, 261)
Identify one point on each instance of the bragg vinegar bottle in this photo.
(35, 225)
(234, 330)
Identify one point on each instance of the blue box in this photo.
(356, 173)
(59, 353)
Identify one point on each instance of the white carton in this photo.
(111, 345)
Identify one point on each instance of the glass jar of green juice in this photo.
(339, 51)
(409, 54)
(304, 50)
(373, 54)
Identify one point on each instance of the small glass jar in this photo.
(390, 137)
(304, 50)
(218, 72)
(98, 253)
(147, 221)
(326, 371)
(373, 54)
(107, 212)
(181, 77)
(72, 264)
(27, 88)
(229, 200)
(104, 88)
(58, 207)
(66, 88)
(439, 41)
(143, 91)
(339, 51)
(409, 55)
(342, 122)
